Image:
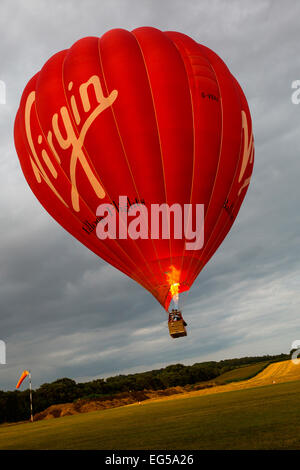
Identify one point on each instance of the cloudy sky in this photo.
(62, 321)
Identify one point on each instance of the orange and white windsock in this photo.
(23, 376)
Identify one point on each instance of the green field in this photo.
(240, 373)
(259, 418)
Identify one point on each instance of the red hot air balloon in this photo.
(148, 118)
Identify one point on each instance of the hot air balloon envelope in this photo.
(118, 127)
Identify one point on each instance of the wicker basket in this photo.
(177, 328)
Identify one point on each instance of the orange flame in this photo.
(173, 277)
(175, 289)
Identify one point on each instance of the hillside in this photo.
(261, 374)
(279, 372)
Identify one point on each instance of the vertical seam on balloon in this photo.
(220, 233)
(99, 179)
(218, 166)
(95, 171)
(232, 183)
(127, 162)
(94, 235)
(158, 134)
(156, 120)
(234, 204)
(126, 159)
(194, 133)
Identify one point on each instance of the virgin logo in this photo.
(67, 137)
(41, 163)
(248, 153)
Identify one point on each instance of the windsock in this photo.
(23, 376)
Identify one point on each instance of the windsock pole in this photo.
(30, 393)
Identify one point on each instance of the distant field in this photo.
(240, 373)
(266, 417)
(273, 374)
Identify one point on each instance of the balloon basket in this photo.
(176, 324)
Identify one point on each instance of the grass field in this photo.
(240, 373)
(265, 417)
